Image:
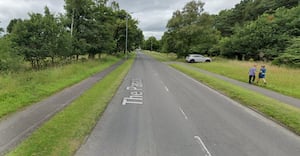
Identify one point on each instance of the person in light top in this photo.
(252, 72)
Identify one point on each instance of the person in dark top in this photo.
(262, 74)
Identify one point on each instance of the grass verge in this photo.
(64, 133)
(282, 113)
(22, 89)
(280, 79)
(163, 57)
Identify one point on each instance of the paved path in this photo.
(272, 94)
(21, 124)
(159, 111)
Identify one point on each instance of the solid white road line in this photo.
(200, 142)
(185, 116)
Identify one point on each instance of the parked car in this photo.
(192, 58)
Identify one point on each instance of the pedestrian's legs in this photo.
(250, 77)
(253, 78)
(264, 79)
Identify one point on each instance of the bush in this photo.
(291, 57)
(288, 59)
(9, 61)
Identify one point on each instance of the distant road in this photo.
(160, 112)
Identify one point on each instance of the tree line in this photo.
(265, 30)
(89, 27)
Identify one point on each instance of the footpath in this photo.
(272, 94)
(20, 125)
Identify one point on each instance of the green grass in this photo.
(64, 133)
(19, 90)
(280, 79)
(163, 57)
(285, 114)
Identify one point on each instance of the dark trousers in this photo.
(251, 78)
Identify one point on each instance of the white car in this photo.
(192, 58)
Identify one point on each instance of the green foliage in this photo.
(21, 89)
(98, 28)
(64, 133)
(89, 27)
(1, 30)
(151, 44)
(135, 35)
(41, 37)
(291, 57)
(8, 59)
(190, 31)
(248, 10)
(265, 38)
(11, 25)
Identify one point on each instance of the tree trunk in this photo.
(91, 56)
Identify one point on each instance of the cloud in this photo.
(152, 15)
(10, 9)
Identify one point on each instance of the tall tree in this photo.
(11, 24)
(190, 30)
(151, 44)
(39, 37)
(1, 29)
(81, 20)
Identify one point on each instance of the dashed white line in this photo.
(200, 142)
(166, 88)
(183, 113)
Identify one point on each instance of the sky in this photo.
(152, 15)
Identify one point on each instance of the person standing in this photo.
(262, 74)
(252, 72)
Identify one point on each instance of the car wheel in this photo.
(207, 60)
(192, 61)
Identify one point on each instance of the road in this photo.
(272, 94)
(158, 111)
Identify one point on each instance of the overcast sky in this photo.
(152, 15)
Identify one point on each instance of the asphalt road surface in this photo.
(160, 112)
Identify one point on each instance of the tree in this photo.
(190, 31)
(11, 24)
(79, 13)
(9, 61)
(135, 35)
(1, 29)
(291, 56)
(40, 37)
(269, 35)
(151, 44)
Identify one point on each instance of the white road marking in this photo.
(246, 109)
(185, 116)
(166, 88)
(200, 142)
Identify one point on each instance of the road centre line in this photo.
(246, 109)
(166, 88)
(185, 116)
(200, 142)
